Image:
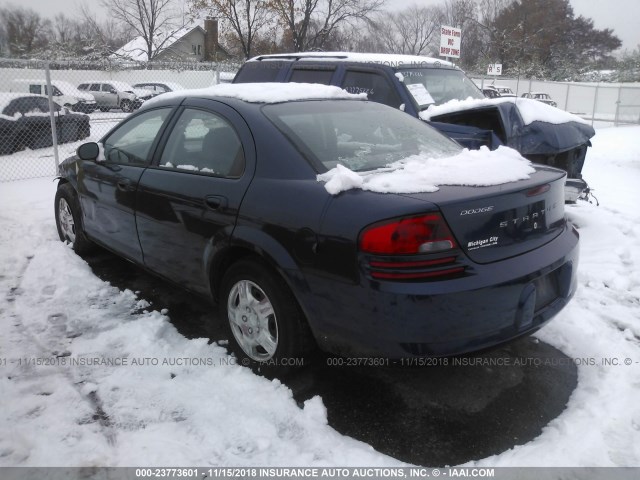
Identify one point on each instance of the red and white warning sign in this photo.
(450, 41)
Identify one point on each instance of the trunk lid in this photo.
(506, 220)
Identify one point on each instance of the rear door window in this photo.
(263, 71)
(307, 75)
(204, 142)
(377, 87)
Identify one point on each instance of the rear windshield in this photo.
(435, 86)
(359, 135)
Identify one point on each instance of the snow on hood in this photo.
(530, 110)
(68, 89)
(422, 173)
(265, 92)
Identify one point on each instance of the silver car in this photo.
(112, 94)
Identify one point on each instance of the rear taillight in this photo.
(423, 234)
(413, 248)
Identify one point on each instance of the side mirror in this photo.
(88, 151)
(114, 91)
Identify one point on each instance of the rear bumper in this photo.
(496, 303)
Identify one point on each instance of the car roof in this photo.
(391, 60)
(7, 97)
(259, 93)
(110, 82)
(168, 84)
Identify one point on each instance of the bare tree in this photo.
(25, 31)
(153, 20)
(310, 23)
(100, 38)
(248, 19)
(411, 31)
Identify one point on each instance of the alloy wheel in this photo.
(65, 217)
(253, 320)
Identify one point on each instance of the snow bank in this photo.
(421, 173)
(164, 399)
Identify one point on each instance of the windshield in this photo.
(435, 86)
(358, 135)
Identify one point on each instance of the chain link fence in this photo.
(48, 109)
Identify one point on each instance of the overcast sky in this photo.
(620, 15)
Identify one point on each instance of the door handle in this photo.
(125, 185)
(215, 202)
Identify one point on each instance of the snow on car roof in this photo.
(391, 60)
(530, 110)
(7, 97)
(264, 92)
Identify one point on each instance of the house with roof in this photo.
(191, 43)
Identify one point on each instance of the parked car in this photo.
(143, 94)
(158, 88)
(490, 92)
(417, 84)
(541, 97)
(25, 123)
(218, 191)
(113, 94)
(504, 91)
(63, 93)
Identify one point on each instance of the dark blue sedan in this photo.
(217, 190)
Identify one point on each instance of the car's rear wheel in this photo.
(126, 106)
(268, 330)
(68, 219)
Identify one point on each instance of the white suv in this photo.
(63, 93)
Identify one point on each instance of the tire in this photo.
(126, 106)
(267, 329)
(69, 219)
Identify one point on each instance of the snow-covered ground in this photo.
(59, 323)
